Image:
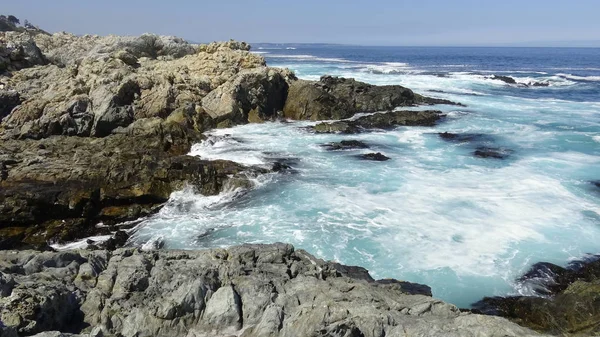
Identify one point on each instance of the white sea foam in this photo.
(596, 139)
(580, 78)
(80, 244)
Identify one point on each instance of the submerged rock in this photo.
(492, 152)
(374, 156)
(463, 137)
(250, 290)
(385, 121)
(345, 145)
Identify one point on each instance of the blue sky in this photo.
(384, 22)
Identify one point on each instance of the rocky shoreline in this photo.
(95, 131)
(261, 290)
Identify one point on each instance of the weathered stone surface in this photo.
(251, 290)
(251, 96)
(339, 98)
(571, 302)
(387, 120)
(18, 50)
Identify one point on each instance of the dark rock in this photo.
(490, 152)
(374, 156)
(339, 98)
(118, 240)
(463, 137)
(539, 84)
(385, 121)
(79, 181)
(505, 79)
(345, 145)
(571, 305)
(596, 183)
(8, 100)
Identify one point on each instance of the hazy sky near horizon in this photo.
(383, 22)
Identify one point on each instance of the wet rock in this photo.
(571, 302)
(596, 183)
(345, 145)
(118, 240)
(505, 79)
(242, 290)
(385, 121)
(339, 98)
(492, 152)
(463, 137)
(374, 156)
(77, 182)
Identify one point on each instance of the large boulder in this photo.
(251, 96)
(250, 290)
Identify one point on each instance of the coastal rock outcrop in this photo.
(59, 187)
(339, 98)
(569, 301)
(387, 120)
(250, 290)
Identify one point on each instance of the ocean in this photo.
(435, 214)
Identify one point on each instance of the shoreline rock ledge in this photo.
(249, 290)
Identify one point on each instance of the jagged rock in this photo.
(251, 96)
(18, 51)
(571, 302)
(250, 290)
(384, 121)
(339, 98)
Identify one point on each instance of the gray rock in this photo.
(250, 290)
(251, 96)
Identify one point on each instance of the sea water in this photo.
(433, 214)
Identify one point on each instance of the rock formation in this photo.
(260, 290)
(568, 302)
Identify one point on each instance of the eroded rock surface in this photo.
(339, 98)
(570, 305)
(259, 290)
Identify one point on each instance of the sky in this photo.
(382, 22)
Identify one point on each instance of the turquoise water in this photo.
(434, 214)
